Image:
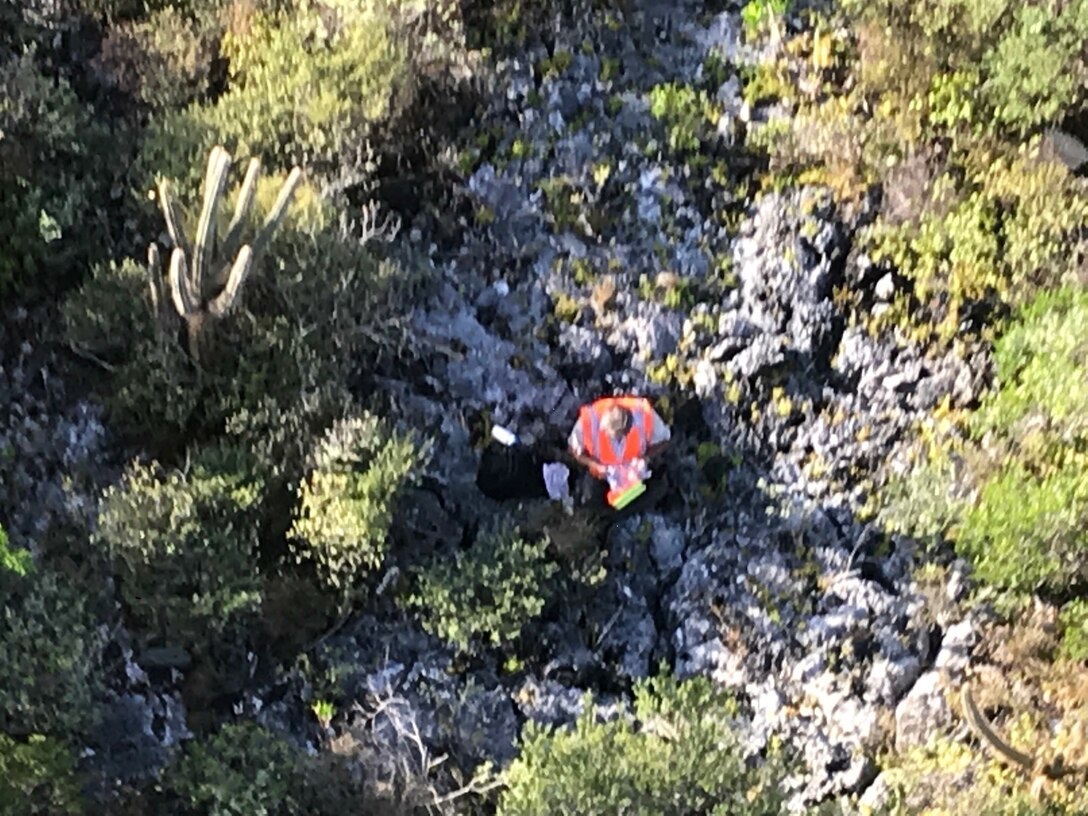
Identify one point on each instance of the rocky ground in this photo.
(654, 277)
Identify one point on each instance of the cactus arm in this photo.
(233, 238)
(988, 735)
(222, 303)
(185, 301)
(214, 182)
(154, 277)
(279, 209)
(172, 214)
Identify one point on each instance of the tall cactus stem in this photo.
(222, 303)
(185, 301)
(214, 182)
(154, 278)
(233, 238)
(172, 214)
(279, 209)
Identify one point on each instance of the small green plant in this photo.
(50, 658)
(689, 115)
(345, 506)
(680, 754)
(17, 561)
(324, 711)
(185, 547)
(38, 777)
(1074, 620)
(762, 15)
(486, 594)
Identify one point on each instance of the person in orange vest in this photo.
(614, 437)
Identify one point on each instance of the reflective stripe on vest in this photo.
(597, 442)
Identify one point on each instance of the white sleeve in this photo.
(574, 441)
(661, 432)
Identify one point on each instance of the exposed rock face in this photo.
(760, 575)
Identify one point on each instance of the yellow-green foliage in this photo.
(679, 756)
(1026, 468)
(951, 779)
(1015, 66)
(345, 506)
(16, 561)
(689, 115)
(306, 85)
(487, 593)
(50, 655)
(983, 218)
(38, 777)
(1074, 619)
(1010, 230)
(184, 545)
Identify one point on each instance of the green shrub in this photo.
(247, 769)
(308, 315)
(50, 657)
(689, 115)
(38, 778)
(1034, 73)
(17, 561)
(47, 196)
(1074, 619)
(306, 85)
(487, 593)
(184, 545)
(345, 506)
(163, 61)
(242, 769)
(681, 756)
(1027, 531)
(1018, 507)
(1012, 229)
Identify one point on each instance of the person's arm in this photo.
(659, 438)
(655, 449)
(577, 451)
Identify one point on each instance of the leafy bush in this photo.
(306, 85)
(346, 504)
(1011, 230)
(1027, 527)
(38, 778)
(47, 197)
(689, 115)
(1021, 515)
(184, 546)
(50, 657)
(247, 769)
(306, 320)
(241, 769)
(1034, 72)
(163, 61)
(680, 756)
(1074, 619)
(488, 592)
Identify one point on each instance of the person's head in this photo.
(616, 421)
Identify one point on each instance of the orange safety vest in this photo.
(600, 446)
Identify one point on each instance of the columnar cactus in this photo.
(204, 281)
